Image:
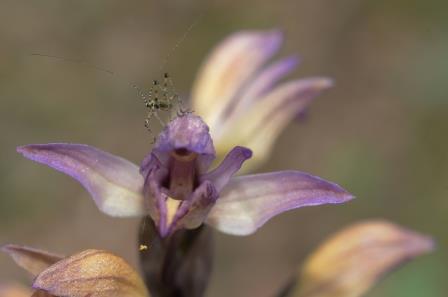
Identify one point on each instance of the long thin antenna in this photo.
(113, 74)
(181, 40)
(151, 98)
(78, 61)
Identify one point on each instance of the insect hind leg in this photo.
(162, 123)
(153, 113)
(149, 116)
(148, 121)
(173, 95)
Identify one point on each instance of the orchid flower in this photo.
(241, 98)
(176, 188)
(93, 273)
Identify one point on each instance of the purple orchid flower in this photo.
(174, 186)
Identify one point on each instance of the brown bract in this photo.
(353, 260)
(41, 293)
(32, 260)
(92, 273)
(13, 290)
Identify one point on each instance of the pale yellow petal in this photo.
(259, 128)
(228, 68)
(353, 260)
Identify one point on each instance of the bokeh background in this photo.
(381, 132)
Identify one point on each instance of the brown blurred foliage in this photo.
(380, 133)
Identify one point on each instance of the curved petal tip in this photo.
(114, 183)
(353, 260)
(248, 202)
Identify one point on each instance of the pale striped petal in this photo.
(265, 120)
(228, 68)
(261, 84)
(353, 260)
(247, 202)
(114, 183)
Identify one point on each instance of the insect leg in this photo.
(169, 85)
(159, 119)
(148, 120)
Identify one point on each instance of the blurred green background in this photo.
(381, 132)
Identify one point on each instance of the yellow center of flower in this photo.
(171, 208)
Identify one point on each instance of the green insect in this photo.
(160, 97)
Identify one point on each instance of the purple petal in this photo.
(193, 212)
(283, 102)
(170, 214)
(282, 105)
(155, 197)
(247, 202)
(221, 175)
(264, 82)
(114, 183)
(188, 132)
(260, 126)
(228, 68)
